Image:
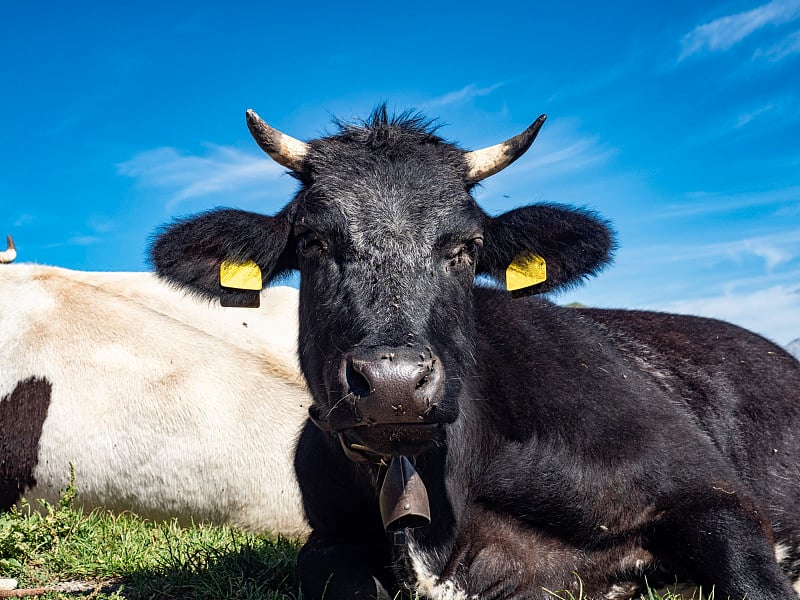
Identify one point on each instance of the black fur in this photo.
(188, 252)
(22, 413)
(574, 243)
(609, 444)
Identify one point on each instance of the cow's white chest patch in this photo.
(786, 556)
(429, 585)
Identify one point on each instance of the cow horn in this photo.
(488, 161)
(283, 149)
(7, 256)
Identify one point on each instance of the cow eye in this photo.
(464, 253)
(309, 243)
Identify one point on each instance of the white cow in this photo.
(165, 405)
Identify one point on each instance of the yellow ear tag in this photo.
(240, 276)
(525, 270)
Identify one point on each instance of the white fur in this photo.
(165, 405)
(783, 554)
(620, 592)
(429, 585)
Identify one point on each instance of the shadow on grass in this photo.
(246, 569)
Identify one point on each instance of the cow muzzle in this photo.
(385, 401)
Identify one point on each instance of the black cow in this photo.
(468, 444)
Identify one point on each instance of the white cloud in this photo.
(83, 240)
(725, 32)
(706, 203)
(576, 154)
(745, 118)
(772, 254)
(24, 219)
(464, 94)
(786, 47)
(75, 239)
(101, 224)
(562, 150)
(221, 170)
(774, 249)
(563, 158)
(773, 312)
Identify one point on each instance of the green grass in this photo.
(648, 595)
(123, 557)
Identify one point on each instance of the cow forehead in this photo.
(395, 206)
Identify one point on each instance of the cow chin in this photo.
(394, 439)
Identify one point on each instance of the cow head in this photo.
(388, 240)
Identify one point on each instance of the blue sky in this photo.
(678, 121)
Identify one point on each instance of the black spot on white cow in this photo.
(22, 413)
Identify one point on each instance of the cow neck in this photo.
(403, 498)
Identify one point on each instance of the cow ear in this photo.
(543, 247)
(190, 252)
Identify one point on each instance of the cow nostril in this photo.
(385, 383)
(357, 383)
(423, 381)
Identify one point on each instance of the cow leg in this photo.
(330, 570)
(724, 543)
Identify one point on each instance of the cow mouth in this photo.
(377, 442)
(376, 436)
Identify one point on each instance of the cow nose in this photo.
(393, 385)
